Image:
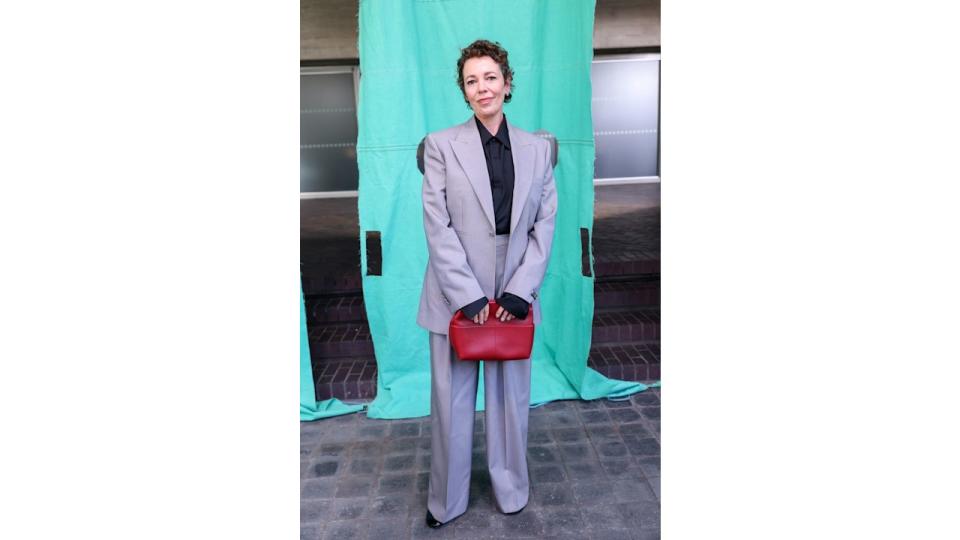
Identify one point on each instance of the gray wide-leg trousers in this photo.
(453, 398)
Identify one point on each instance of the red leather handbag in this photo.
(492, 340)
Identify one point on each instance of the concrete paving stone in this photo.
(372, 431)
(645, 535)
(624, 415)
(423, 462)
(610, 534)
(314, 510)
(318, 488)
(310, 532)
(424, 445)
(641, 515)
(599, 517)
(654, 426)
(425, 429)
(602, 433)
(311, 436)
(479, 443)
(324, 468)
(562, 522)
(642, 446)
(616, 467)
(650, 465)
(401, 446)
(422, 482)
(386, 529)
(471, 522)
(612, 449)
(584, 470)
(364, 465)
(616, 404)
(597, 416)
(367, 449)
(390, 506)
(645, 398)
(397, 484)
(478, 423)
(590, 405)
(569, 435)
(478, 459)
(304, 468)
(562, 419)
(546, 474)
(343, 530)
(306, 449)
(655, 486)
(405, 429)
(402, 462)
(593, 493)
(635, 489)
(577, 452)
(541, 454)
(334, 449)
(639, 429)
(356, 486)
(526, 523)
(538, 437)
(552, 495)
(652, 413)
(344, 509)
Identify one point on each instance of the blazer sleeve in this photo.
(529, 275)
(447, 257)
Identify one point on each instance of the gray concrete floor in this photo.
(594, 466)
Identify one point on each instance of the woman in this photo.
(489, 206)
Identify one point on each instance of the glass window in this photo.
(328, 131)
(626, 116)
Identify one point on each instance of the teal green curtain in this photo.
(408, 57)
(310, 409)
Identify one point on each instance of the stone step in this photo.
(344, 307)
(627, 361)
(346, 378)
(638, 325)
(337, 340)
(626, 263)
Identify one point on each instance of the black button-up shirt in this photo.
(496, 150)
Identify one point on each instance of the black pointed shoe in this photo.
(432, 521)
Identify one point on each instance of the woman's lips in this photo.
(485, 101)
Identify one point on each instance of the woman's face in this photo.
(484, 86)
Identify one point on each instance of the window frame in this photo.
(600, 57)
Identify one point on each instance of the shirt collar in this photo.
(503, 134)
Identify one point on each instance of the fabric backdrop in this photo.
(408, 57)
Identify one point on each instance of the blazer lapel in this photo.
(523, 159)
(469, 151)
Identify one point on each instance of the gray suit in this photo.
(467, 261)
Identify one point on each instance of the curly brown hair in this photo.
(496, 52)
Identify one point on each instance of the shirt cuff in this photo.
(470, 310)
(516, 306)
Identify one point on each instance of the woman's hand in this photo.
(481, 317)
(503, 314)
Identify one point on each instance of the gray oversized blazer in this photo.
(459, 223)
